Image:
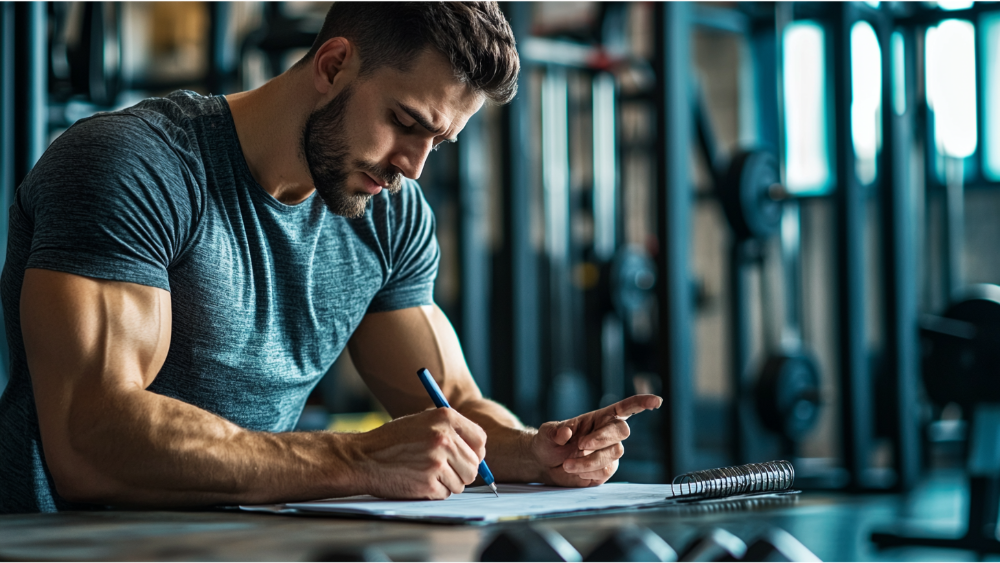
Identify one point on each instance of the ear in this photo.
(335, 64)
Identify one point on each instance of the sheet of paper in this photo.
(479, 505)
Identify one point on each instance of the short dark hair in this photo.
(473, 36)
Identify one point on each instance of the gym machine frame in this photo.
(962, 342)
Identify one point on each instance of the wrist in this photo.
(347, 473)
(535, 470)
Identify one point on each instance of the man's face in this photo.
(380, 128)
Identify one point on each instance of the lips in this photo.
(372, 185)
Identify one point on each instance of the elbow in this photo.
(79, 483)
(75, 490)
(74, 475)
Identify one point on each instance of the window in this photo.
(951, 5)
(866, 100)
(807, 154)
(951, 88)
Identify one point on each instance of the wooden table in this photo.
(833, 526)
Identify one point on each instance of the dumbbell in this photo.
(778, 545)
(716, 545)
(633, 543)
(350, 553)
(528, 543)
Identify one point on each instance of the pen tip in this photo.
(494, 487)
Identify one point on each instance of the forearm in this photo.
(140, 448)
(508, 445)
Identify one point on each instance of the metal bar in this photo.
(954, 227)
(516, 365)
(474, 249)
(899, 239)
(707, 142)
(855, 383)
(934, 16)
(764, 48)
(791, 232)
(25, 105)
(556, 201)
(720, 19)
(7, 88)
(538, 51)
(221, 49)
(31, 92)
(674, 204)
(605, 202)
(791, 269)
(743, 416)
(610, 348)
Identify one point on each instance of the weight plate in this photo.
(745, 194)
(633, 277)
(787, 395)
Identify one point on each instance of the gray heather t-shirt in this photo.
(264, 295)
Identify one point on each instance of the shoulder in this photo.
(150, 148)
(181, 119)
(165, 130)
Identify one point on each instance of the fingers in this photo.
(464, 446)
(594, 462)
(611, 433)
(633, 405)
(563, 435)
(452, 480)
(616, 429)
(601, 475)
(471, 433)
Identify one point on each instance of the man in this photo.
(181, 273)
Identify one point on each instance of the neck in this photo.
(269, 123)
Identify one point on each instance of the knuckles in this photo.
(440, 439)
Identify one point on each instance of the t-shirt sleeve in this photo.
(414, 253)
(110, 199)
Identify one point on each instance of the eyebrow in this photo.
(422, 121)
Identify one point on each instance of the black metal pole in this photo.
(742, 415)
(221, 49)
(25, 105)
(899, 234)
(6, 145)
(850, 196)
(31, 91)
(674, 195)
(516, 374)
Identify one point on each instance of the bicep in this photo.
(388, 348)
(87, 339)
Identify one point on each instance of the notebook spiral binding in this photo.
(752, 478)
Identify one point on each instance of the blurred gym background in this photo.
(782, 217)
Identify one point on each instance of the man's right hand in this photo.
(428, 455)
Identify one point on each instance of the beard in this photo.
(326, 151)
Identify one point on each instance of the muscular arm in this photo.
(93, 347)
(388, 349)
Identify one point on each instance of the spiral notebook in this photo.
(477, 505)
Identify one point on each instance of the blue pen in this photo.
(439, 401)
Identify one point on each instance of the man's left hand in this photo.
(584, 451)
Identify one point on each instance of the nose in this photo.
(410, 156)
